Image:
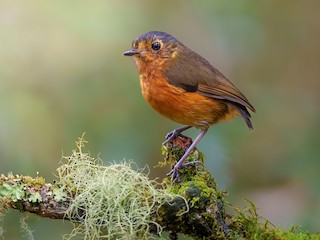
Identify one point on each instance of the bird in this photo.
(184, 87)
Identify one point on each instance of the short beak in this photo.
(131, 52)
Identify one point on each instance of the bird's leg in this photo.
(176, 132)
(174, 172)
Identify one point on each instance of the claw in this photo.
(170, 136)
(175, 174)
(173, 134)
(175, 170)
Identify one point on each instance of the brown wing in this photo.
(193, 73)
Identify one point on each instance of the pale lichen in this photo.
(110, 202)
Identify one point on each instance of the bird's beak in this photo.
(131, 52)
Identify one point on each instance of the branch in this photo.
(33, 195)
(118, 202)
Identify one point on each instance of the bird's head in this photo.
(154, 49)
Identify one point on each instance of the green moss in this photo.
(36, 182)
(199, 189)
(208, 205)
(247, 224)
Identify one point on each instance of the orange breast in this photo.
(188, 108)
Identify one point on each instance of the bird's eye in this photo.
(156, 46)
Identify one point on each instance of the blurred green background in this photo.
(62, 73)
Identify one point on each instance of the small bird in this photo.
(184, 87)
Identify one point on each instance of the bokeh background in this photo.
(62, 73)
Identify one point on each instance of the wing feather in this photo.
(192, 72)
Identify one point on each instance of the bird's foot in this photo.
(175, 170)
(175, 173)
(170, 136)
(174, 134)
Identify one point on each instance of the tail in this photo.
(244, 114)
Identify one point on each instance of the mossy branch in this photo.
(33, 195)
(118, 202)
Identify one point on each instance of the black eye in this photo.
(156, 46)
